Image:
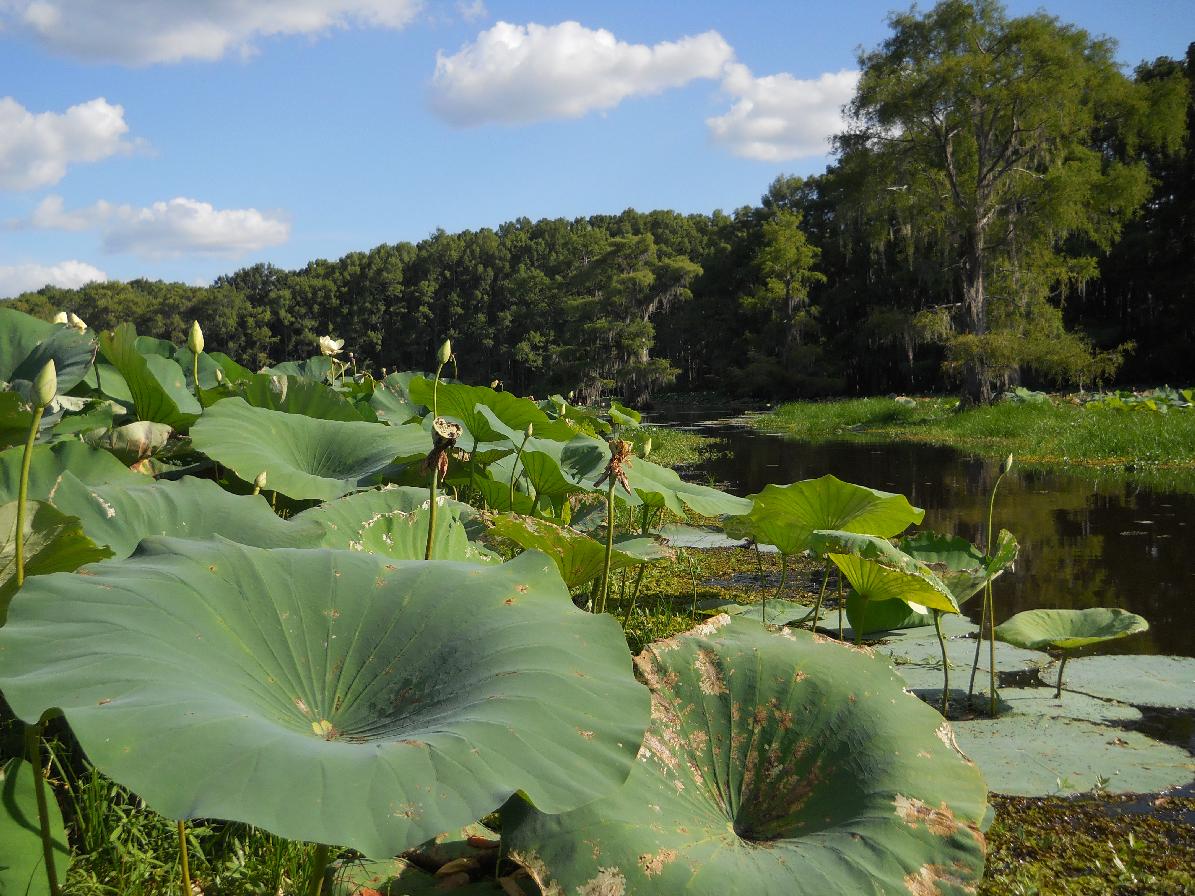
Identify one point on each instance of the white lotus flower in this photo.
(76, 322)
(329, 346)
(59, 318)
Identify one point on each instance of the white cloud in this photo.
(143, 32)
(524, 73)
(177, 227)
(37, 148)
(19, 278)
(779, 117)
(472, 10)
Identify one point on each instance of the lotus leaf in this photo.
(961, 566)
(1041, 702)
(778, 611)
(1061, 756)
(304, 457)
(53, 543)
(464, 404)
(578, 557)
(786, 515)
(682, 536)
(106, 379)
(868, 617)
(315, 368)
(49, 462)
(158, 385)
(1161, 681)
(16, 416)
(391, 523)
(774, 764)
(296, 395)
(22, 862)
(20, 334)
(120, 516)
(879, 571)
(72, 353)
(1067, 629)
(390, 406)
(233, 372)
(132, 442)
(660, 486)
(329, 696)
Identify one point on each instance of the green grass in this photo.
(1060, 432)
(677, 447)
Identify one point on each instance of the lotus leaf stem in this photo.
(194, 374)
(431, 515)
(184, 864)
(514, 472)
(33, 749)
(840, 607)
(759, 564)
(945, 664)
(644, 528)
(23, 492)
(817, 607)
(319, 864)
(1061, 666)
(983, 616)
(609, 542)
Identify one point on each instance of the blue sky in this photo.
(182, 140)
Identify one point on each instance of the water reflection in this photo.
(1084, 543)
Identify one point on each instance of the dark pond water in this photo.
(1084, 543)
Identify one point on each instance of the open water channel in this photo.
(1084, 542)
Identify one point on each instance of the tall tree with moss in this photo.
(1004, 141)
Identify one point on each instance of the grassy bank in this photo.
(1050, 434)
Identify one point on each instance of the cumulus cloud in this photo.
(37, 148)
(517, 74)
(19, 278)
(780, 117)
(143, 32)
(176, 227)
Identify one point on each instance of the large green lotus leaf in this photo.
(132, 442)
(498, 430)
(54, 542)
(157, 384)
(879, 571)
(1041, 702)
(15, 419)
(464, 403)
(870, 616)
(233, 372)
(22, 862)
(393, 523)
(554, 470)
(72, 353)
(1067, 629)
(96, 414)
(578, 557)
(296, 395)
(120, 516)
(786, 515)
(303, 457)
(963, 567)
(315, 368)
(776, 764)
(328, 696)
(661, 487)
(391, 406)
(1059, 756)
(1162, 681)
(681, 536)
(19, 335)
(49, 462)
(106, 379)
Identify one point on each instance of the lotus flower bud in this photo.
(195, 338)
(646, 447)
(445, 352)
(45, 385)
(60, 318)
(571, 395)
(259, 482)
(529, 431)
(75, 322)
(1006, 466)
(219, 376)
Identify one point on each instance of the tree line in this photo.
(1006, 206)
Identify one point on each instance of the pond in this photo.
(1084, 542)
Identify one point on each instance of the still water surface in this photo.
(1084, 543)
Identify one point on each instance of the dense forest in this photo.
(1006, 207)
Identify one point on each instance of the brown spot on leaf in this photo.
(522, 589)
(609, 882)
(653, 865)
(913, 811)
(710, 674)
(925, 880)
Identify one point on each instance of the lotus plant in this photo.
(988, 612)
(195, 346)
